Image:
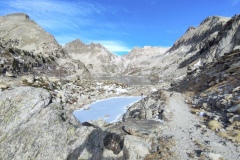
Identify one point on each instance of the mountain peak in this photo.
(96, 44)
(27, 34)
(190, 29)
(19, 15)
(213, 19)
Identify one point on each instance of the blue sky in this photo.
(120, 25)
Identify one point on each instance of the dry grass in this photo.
(234, 135)
(164, 152)
(201, 146)
(214, 125)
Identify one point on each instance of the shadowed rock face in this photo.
(113, 142)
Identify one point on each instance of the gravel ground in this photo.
(192, 139)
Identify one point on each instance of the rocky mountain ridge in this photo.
(98, 60)
(199, 45)
(107, 63)
(137, 60)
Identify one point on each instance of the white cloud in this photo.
(56, 6)
(56, 14)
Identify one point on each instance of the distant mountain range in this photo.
(198, 46)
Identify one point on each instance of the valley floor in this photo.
(192, 138)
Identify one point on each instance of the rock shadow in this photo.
(96, 142)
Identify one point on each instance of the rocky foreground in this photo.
(199, 121)
(159, 126)
(37, 121)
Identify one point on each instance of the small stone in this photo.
(3, 86)
(234, 109)
(226, 75)
(216, 118)
(86, 108)
(236, 89)
(224, 102)
(230, 114)
(59, 95)
(64, 99)
(50, 85)
(100, 122)
(228, 96)
(201, 114)
(58, 100)
(234, 118)
(148, 114)
(204, 105)
(44, 78)
(9, 74)
(229, 128)
(203, 126)
(203, 95)
(214, 156)
(215, 97)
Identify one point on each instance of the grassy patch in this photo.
(234, 135)
(214, 125)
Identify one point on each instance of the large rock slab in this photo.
(18, 106)
(31, 128)
(136, 148)
(142, 128)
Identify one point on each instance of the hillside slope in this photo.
(198, 46)
(136, 62)
(215, 92)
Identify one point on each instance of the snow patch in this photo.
(198, 64)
